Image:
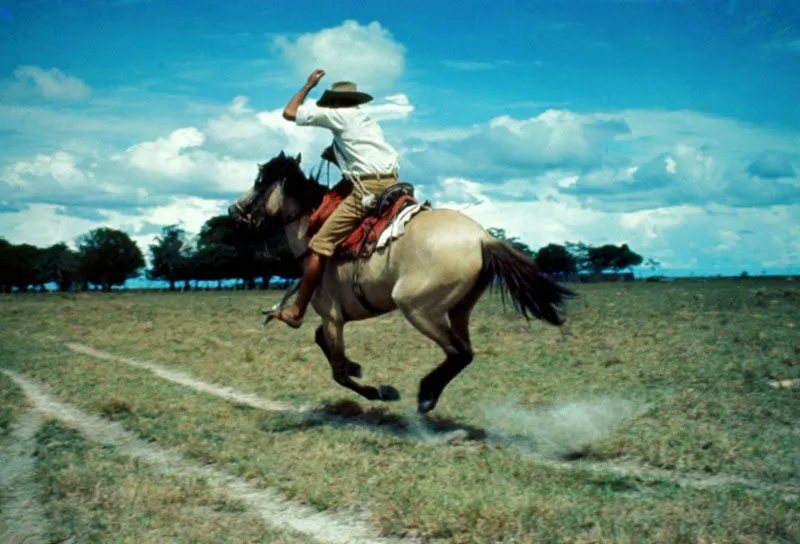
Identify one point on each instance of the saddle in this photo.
(364, 240)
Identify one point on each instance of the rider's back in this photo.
(358, 138)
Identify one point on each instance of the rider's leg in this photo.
(342, 222)
(293, 316)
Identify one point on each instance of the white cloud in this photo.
(729, 239)
(457, 191)
(671, 165)
(53, 83)
(175, 158)
(624, 161)
(60, 167)
(42, 225)
(365, 54)
(189, 213)
(47, 224)
(685, 174)
(239, 106)
(508, 146)
(220, 159)
(261, 135)
(567, 182)
(394, 108)
(164, 156)
(683, 238)
(650, 224)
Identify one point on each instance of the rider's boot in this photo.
(293, 316)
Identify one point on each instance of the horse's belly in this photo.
(376, 278)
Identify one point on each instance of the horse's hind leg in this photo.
(458, 353)
(459, 314)
(330, 337)
(353, 369)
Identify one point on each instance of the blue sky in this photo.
(669, 125)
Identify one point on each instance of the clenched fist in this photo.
(314, 78)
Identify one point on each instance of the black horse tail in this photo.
(532, 292)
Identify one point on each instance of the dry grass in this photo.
(94, 495)
(690, 357)
(12, 401)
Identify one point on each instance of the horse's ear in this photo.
(299, 156)
(282, 155)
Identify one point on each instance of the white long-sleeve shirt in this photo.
(360, 146)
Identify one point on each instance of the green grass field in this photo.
(667, 380)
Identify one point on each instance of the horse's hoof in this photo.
(425, 406)
(387, 393)
(354, 370)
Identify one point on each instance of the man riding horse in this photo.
(368, 164)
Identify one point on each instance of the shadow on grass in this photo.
(346, 413)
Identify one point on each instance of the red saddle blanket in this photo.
(363, 241)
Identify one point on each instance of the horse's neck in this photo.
(296, 234)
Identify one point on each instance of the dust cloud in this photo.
(558, 430)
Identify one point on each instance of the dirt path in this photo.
(694, 480)
(326, 527)
(687, 479)
(242, 397)
(22, 516)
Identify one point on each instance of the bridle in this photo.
(247, 217)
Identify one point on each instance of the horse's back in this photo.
(444, 232)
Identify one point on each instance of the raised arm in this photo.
(290, 111)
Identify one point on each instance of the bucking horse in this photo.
(431, 264)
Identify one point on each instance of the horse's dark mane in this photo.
(306, 190)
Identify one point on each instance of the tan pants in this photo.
(346, 217)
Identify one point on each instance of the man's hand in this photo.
(290, 111)
(329, 155)
(314, 78)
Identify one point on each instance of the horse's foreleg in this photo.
(353, 369)
(331, 341)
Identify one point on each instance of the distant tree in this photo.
(227, 250)
(613, 257)
(5, 276)
(108, 257)
(653, 265)
(168, 256)
(277, 256)
(19, 266)
(580, 254)
(626, 258)
(213, 262)
(601, 258)
(555, 259)
(60, 265)
(220, 253)
(500, 234)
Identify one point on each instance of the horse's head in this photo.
(265, 201)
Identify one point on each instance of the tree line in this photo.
(224, 250)
(563, 261)
(107, 257)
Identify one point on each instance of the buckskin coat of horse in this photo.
(434, 274)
